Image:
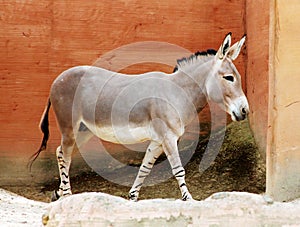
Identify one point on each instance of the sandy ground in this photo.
(16, 210)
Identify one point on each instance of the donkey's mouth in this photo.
(237, 117)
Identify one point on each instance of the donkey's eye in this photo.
(229, 78)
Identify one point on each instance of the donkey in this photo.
(153, 107)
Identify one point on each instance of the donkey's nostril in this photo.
(244, 111)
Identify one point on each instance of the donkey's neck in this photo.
(193, 78)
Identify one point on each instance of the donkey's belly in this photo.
(123, 135)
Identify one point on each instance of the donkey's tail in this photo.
(44, 126)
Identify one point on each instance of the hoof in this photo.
(187, 197)
(55, 196)
(133, 197)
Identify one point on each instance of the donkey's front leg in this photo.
(153, 151)
(171, 150)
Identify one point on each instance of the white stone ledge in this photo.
(221, 209)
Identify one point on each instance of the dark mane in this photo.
(194, 56)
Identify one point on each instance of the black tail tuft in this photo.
(44, 126)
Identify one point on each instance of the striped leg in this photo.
(64, 161)
(63, 154)
(154, 150)
(171, 150)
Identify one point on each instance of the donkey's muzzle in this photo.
(241, 115)
(238, 117)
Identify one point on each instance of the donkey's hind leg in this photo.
(63, 154)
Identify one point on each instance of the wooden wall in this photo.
(39, 39)
(257, 80)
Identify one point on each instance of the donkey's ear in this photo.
(236, 48)
(224, 48)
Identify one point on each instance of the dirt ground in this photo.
(238, 167)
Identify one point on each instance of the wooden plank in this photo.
(257, 25)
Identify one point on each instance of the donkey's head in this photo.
(225, 76)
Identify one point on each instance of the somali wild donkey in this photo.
(153, 107)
